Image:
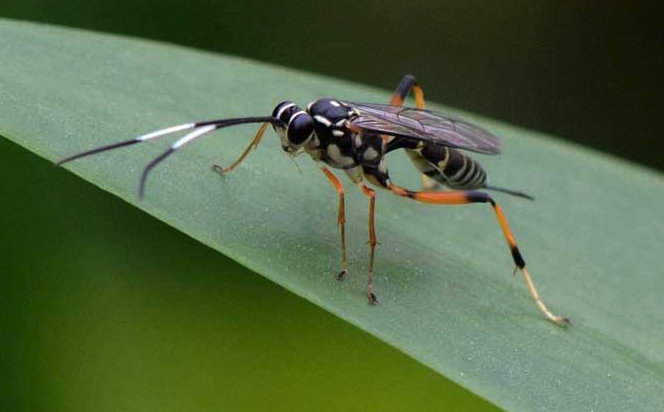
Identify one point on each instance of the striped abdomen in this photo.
(448, 166)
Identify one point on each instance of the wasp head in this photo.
(296, 127)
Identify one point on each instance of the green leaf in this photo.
(591, 239)
(103, 307)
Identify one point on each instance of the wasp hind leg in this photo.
(407, 85)
(254, 143)
(460, 198)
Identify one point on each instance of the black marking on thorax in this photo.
(340, 147)
(335, 144)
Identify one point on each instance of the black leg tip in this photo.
(562, 321)
(373, 300)
(342, 275)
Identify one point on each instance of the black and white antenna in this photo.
(200, 129)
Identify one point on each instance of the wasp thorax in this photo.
(330, 111)
(296, 126)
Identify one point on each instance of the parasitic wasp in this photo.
(355, 137)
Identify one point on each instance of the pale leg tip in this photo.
(561, 321)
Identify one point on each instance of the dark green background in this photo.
(589, 71)
(106, 309)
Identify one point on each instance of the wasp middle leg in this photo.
(373, 241)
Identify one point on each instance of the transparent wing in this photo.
(424, 125)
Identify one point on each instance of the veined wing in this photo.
(424, 125)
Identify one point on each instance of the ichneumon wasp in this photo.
(355, 137)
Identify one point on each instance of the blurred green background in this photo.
(139, 317)
(587, 70)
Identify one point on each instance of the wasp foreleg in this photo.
(254, 143)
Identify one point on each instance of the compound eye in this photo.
(300, 128)
(284, 110)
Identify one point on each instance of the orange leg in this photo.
(408, 84)
(371, 194)
(254, 143)
(459, 198)
(341, 220)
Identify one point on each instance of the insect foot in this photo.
(373, 300)
(218, 169)
(342, 275)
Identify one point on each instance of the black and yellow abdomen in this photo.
(448, 167)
